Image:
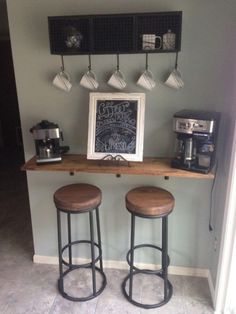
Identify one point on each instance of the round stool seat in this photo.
(77, 197)
(149, 201)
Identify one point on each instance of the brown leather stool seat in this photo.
(78, 197)
(149, 202)
(72, 200)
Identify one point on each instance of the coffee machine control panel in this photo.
(44, 134)
(189, 126)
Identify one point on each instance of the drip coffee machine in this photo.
(196, 140)
(47, 137)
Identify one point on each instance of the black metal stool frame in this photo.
(72, 266)
(162, 273)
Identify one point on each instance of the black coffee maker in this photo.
(47, 137)
(196, 140)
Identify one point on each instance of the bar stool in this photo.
(149, 202)
(77, 199)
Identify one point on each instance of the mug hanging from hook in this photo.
(62, 64)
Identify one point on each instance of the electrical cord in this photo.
(211, 227)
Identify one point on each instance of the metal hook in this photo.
(176, 60)
(90, 64)
(118, 62)
(146, 61)
(62, 64)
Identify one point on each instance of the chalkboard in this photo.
(116, 124)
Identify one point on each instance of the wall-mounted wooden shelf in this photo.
(150, 166)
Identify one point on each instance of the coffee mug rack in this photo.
(113, 33)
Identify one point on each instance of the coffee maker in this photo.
(196, 133)
(47, 137)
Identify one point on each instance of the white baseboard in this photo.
(43, 259)
(173, 270)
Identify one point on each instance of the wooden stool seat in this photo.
(149, 201)
(78, 197)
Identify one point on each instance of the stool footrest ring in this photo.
(147, 306)
(82, 299)
(147, 271)
(81, 265)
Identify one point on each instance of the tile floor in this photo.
(31, 288)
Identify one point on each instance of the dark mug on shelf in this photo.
(149, 41)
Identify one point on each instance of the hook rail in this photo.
(62, 64)
(146, 61)
(90, 64)
(176, 60)
(118, 62)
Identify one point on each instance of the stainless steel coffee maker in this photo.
(47, 136)
(196, 132)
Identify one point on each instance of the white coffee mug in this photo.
(149, 41)
(89, 80)
(117, 80)
(146, 80)
(175, 80)
(62, 81)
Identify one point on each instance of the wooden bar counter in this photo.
(150, 166)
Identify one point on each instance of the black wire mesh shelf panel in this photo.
(113, 34)
(69, 35)
(159, 24)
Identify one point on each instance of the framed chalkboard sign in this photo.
(116, 125)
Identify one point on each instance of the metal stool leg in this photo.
(69, 239)
(69, 264)
(164, 254)
(92, 251)
(161, 273)
(60, 282)
(99, 237)
(132, 254)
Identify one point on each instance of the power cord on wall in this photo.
(211, 227)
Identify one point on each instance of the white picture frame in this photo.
(116, 125)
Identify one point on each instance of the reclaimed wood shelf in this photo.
(79, 163)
